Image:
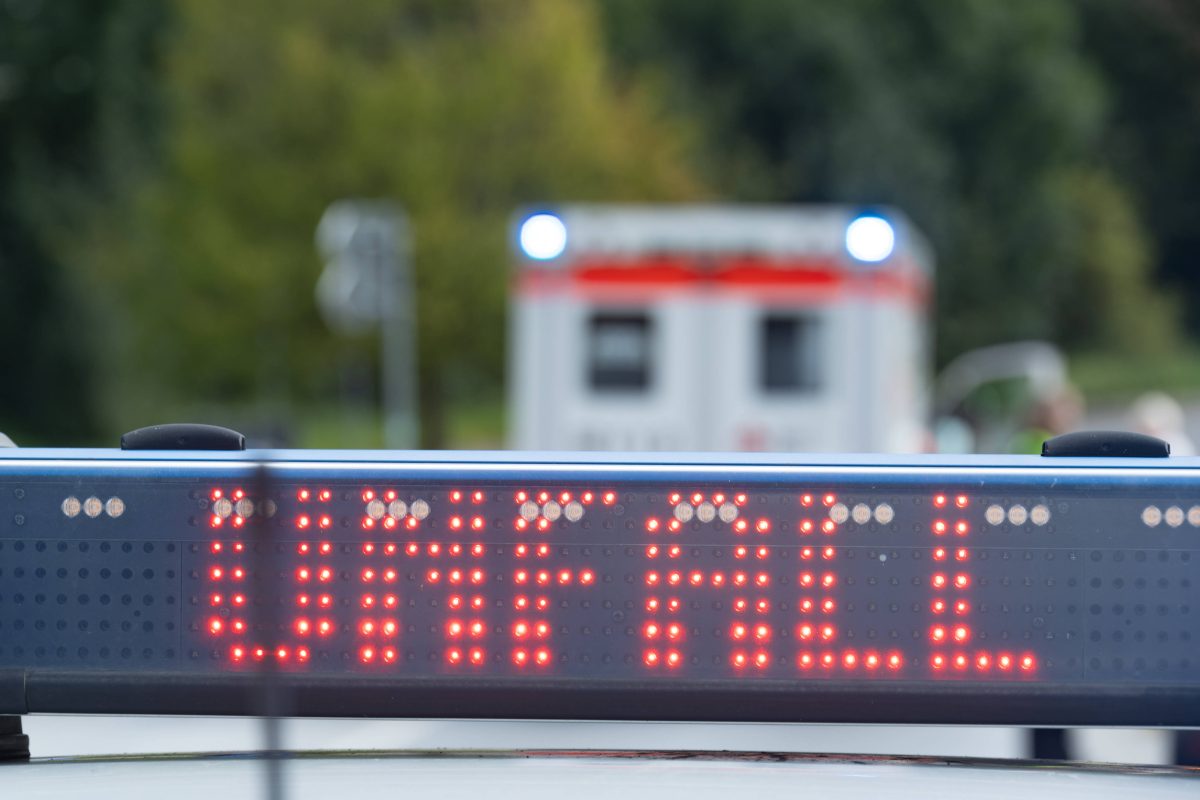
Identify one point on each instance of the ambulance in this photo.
(710, 327)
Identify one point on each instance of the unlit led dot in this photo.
(71, 507)
(114, 507)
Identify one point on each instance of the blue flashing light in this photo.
(543, 237)
(870, 238)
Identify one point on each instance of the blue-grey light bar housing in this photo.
(910, 589)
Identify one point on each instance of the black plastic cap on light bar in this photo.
(183, 436)
(1105, 444)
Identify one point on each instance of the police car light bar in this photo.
(914, 589)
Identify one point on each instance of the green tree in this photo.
(73, 85)
(461, 112)
(1148, 54)
(971, 116)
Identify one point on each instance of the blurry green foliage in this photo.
(1148, 57)
(163, 166)
(462, 112)
(72, 75)
(982, 120)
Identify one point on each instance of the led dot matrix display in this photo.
(616, 575)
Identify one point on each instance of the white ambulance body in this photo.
(734, 328)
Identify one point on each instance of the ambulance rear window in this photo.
(619, 351)
(790, 359)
